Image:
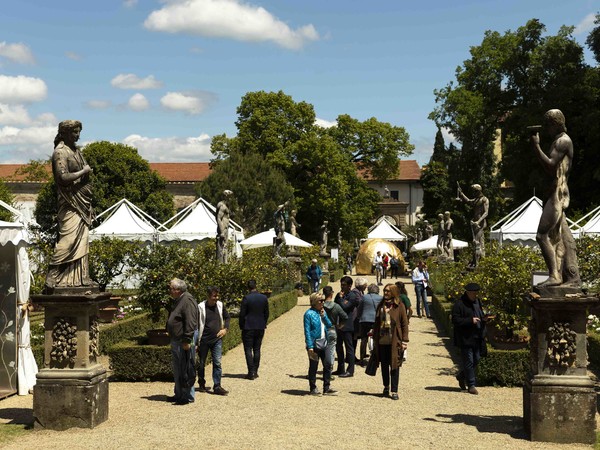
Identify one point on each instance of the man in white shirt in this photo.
(378, 263)
(420, 278)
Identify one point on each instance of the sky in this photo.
(166, 76)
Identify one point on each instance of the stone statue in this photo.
(448, 246)
(428, 229)
(222, 217)
(279, 217)
(339, 242)
(440, 237)
(386, 192)
(69, 266)
(324, 238)
(553, 235)
(294, 225)
(480, 205)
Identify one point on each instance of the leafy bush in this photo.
(503, 367)
(588, 256)
(110, 257)
(198, 267)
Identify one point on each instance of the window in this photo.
(394, 195)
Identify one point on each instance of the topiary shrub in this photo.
(503, 367)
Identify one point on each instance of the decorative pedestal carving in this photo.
(559, 402)
(72, 387)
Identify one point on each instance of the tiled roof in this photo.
(408, 170)
(193, 172)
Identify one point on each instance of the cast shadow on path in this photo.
(368, 394)
(510, 425)
(156, 398)
(296, 392)
(18, 416)
(234, 375)
(443, 388)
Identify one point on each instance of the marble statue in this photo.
(448, 246)
(222, 217)
(428, 229)
(480, 205)
(440, 235)
(280, 226)
(553, 235)
(294, 225)
(69, 265)
(324, 237)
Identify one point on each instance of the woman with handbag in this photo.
(390, 336)
(316, 324)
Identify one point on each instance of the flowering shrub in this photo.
(593, 323)
(588, 257)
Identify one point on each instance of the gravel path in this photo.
(274, 411)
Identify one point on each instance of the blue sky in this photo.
(166, 76)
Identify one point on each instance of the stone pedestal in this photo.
(72, 387)
(559, 401)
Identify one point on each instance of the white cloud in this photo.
(129, 3)
(188, 102)
(22, 89)
(138, 102)
(132, 81)
(448, 137)
(228, 19)
(13, 115)
(325, 123)
(171, 149)
(74, 56)
(98, 104)
(586, 25)
(19, 145)
(18, 53)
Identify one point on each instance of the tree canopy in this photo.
(7, 197)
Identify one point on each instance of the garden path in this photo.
(274, 411)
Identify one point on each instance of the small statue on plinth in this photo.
(222, 218)
(280, 226)
(428, 229)
(440, 236)
(448, 245)
(480, 205)
(294, 225)
(324, 237)
(553, 235)
(69, 265)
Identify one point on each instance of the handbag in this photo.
(372, 365)
(321, 344)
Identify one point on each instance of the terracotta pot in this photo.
(158, 337)
(107, 314)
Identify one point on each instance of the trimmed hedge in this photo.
(130, 360)
(500, 367)
(593, 349)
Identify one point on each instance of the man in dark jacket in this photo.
(254, 314)
(349, 301)
(182, 326)
(469, 335)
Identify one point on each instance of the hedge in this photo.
(131, 360)
(500, 367)
(593, 349)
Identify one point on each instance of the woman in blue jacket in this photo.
(316, 324)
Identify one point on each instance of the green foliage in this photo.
(132, 361)
(119, 172)
(504, 276)
(593, 40)
(7, 197)
(503, 368)
(588, 257)
(375, 146)
(436, 190)
(110, 257)
(258, 187)
(593, 341)
(35, 170)
(198, 267)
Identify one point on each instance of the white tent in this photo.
(126, 221)
(197, 222)
(591, 224)
(15, 278)
(265, 239)
(520, 226)
(383, 229)
(431, 244)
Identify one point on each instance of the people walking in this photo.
(338, 318)
(420, 278)
(378, 265)
(366, 313)
(182, 326)
(469, 335)
(348, 300)
(254, 315)
(390, 336)
(314, 275)
(316, 324)
(213, 326)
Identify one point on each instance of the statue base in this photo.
(559, 401)
(72, 387)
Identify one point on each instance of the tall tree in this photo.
(593, 40)
(7, 197)
(258, 187)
